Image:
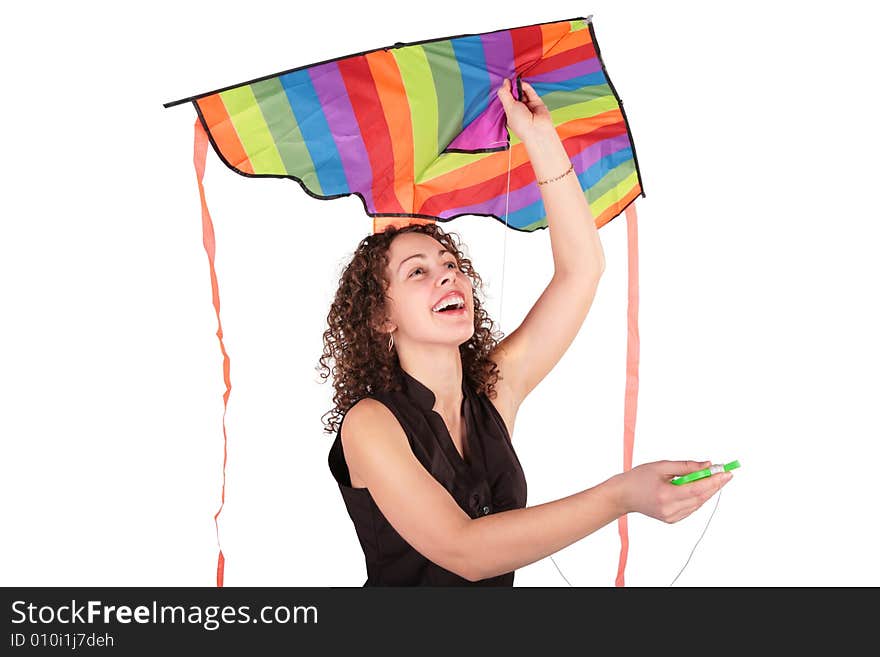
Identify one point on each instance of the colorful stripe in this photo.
(418, 129)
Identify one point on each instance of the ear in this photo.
(385, 326)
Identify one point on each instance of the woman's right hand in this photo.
(646, 489)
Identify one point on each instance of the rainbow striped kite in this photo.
(418, 133)
(417, 130)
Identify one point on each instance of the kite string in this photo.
(503, 262)
(715, 508)
(500, 324)
(504, 251)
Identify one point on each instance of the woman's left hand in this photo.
(527, 117)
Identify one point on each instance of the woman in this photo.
(426, 398)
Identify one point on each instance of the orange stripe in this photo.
(395, 105)
(223, 133)
(381, 223)
(553, 33)
(558, 38)
(474, 174)
(200, 149)
(616, 208)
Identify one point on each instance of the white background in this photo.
(756, 134)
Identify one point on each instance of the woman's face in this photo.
(419, 277)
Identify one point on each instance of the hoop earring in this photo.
(390, 341)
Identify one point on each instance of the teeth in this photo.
(455, 301)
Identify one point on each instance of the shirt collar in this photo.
(419, 392)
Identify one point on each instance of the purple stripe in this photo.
(595, 152)
(498, 51)
(568, 72)
(344, 127)
(488, 130)
(531, 193)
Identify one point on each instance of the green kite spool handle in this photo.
(706, 472)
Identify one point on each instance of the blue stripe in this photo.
(528, 215)
(595, 173)
(571, 84)
(316, 133)
(474, 76)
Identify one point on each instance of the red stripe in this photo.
(367, 107)
(563, 59)
(527, 46)
(483, 189)
(479, 191)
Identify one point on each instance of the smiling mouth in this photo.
(454, 306)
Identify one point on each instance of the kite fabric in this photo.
(417, 131)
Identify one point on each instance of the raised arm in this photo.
(529, 353)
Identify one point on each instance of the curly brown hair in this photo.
(363, 363)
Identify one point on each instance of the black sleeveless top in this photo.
(490, 481)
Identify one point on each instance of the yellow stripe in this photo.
(254, 134)
(614, 194)
(419, 84)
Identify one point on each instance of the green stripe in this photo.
(578, 25)
(535, 225)
(558, 99)
(610, 180)
(286, 135)
(446, 76)
(252, 130)
(422, 96)
(614, 195)
(584, 109)
(447, 162)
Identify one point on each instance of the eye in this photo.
(449, 262)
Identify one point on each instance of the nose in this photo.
(446, 275)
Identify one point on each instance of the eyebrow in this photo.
(420, 255)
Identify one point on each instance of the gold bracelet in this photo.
(544, 182)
